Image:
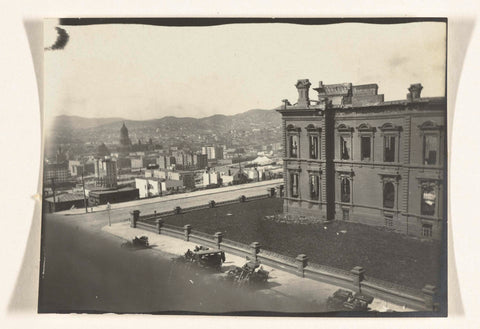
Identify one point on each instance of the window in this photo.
(346, 214)
(430, 149)
(427, 230)
(388, 195)
(313, 147)
(365, 147)
(345, 190)
(294, 185)
(345, 148)
(314, 187)
(429, 199)
(293, 143)
(389, 149)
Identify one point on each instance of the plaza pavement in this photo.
(282, 283)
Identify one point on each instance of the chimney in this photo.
(303, 86)
(414, 91)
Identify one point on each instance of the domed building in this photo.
(124, 139)
(102, 151)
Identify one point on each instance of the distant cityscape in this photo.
(95, 163)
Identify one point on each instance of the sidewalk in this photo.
(287, 285)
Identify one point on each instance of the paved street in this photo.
(85, 270)
(148, 206)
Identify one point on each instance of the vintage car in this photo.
(205, 257)
(344, 300)
(250, 273)
(137, 242)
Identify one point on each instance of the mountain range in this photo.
(244, 120)
(79, 129)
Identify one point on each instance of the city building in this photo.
(75, 167)
(185, 178)
(106, 173)
(211, 178)
(352, 156)
(102, 151)
(165, 161)
(125, 142)
(200, 161)
(64, 202)
(136, 163)
(213, 152)
(149, 187)
(56, 174)
(102, 196)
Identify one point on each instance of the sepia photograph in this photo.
(290, 167)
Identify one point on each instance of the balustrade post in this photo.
(302, 262)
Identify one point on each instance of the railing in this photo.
(393, 286)
(168, 213)
(272, 254)
(147, 227)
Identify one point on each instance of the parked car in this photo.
(205, 257)
(137, 242)
(344, 300)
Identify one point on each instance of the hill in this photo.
(168, 130)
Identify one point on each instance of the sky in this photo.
(142, 72)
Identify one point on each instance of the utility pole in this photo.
(108, 209)
(84, 196)
(53, 190)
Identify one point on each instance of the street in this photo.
(85, 270)
(167, 203)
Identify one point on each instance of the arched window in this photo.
(345, 193)
(388, 195)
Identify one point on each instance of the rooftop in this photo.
(347, 95)
(67, 197)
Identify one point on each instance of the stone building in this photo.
(352, 156)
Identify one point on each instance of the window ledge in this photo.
(292, 198)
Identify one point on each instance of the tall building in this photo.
(213, 152)
(352, 156)
(124, 139)
(106, 173)
(55, 174)
(200, 161)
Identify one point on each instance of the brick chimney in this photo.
(414, 91)
(303, 86)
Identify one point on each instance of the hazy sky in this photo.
(143, 72)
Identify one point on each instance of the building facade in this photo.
(352, 156)
(106, 173)
(213, 152)
(55, 174)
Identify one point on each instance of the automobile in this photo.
(345, 300)
(205, 257)
(137, 242)
(250, 273)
